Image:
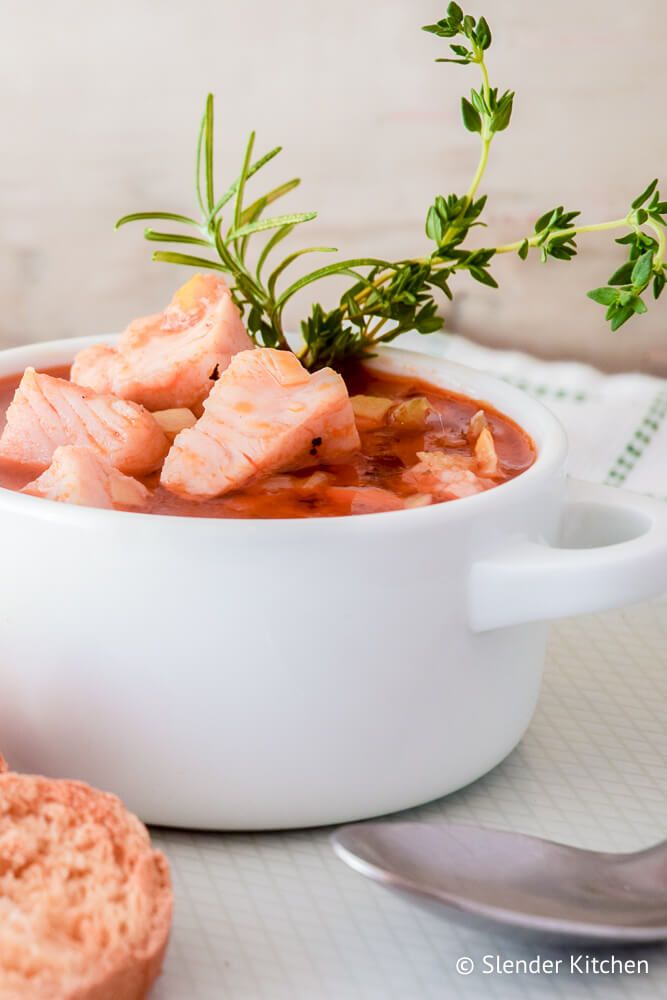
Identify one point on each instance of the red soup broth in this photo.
(384, 455)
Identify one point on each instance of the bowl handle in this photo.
(614, 552)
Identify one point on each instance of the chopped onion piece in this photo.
(314, 481)
(418, 500)
(477, 424)
(175, 420)
(412, 414)
(485, 453)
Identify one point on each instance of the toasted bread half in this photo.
(85, 901)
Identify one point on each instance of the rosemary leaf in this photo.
(200, 142)
(153, 237)
(324, 272)
(232, 189)
(238, 205)
(223, 252)
(273, 223)
(270, 244)
(167, 257)
(149, 216)
(273, 277)
(208, 134)
(252, 212)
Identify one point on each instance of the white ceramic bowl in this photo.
(263, 674)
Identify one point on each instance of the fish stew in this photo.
(419, 445)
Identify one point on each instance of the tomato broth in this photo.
(385, 454)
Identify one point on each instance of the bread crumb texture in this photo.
(85, 902)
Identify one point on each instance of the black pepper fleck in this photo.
(215, 374)
(316, 442)
(313, 451)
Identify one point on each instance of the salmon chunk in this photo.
(81, 476)
(173, 358)
(446, 476)
(266, 414)
(47, 412)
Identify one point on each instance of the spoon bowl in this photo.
(513, 879)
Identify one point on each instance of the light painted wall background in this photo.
(99, 106)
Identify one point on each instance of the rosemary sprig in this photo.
(387, 298)
(260, 300)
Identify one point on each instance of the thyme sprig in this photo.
(387, 298)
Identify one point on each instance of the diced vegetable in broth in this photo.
(485, 453)
(418, 500)
(478, 423)
(484, 447)
(370, 412)
(412, 414)
(175, 420)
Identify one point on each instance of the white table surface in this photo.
(278, 917)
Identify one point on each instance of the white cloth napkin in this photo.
(617, 424)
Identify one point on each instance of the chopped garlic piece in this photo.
(412, 414)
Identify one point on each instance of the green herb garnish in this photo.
(387, 298)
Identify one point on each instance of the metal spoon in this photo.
(513, 879)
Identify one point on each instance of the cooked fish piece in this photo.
(81, 476)
(47, 412)
(95, 368)
(266, 414)
(446, 476)
(173, 358)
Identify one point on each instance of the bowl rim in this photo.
(529, 413)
